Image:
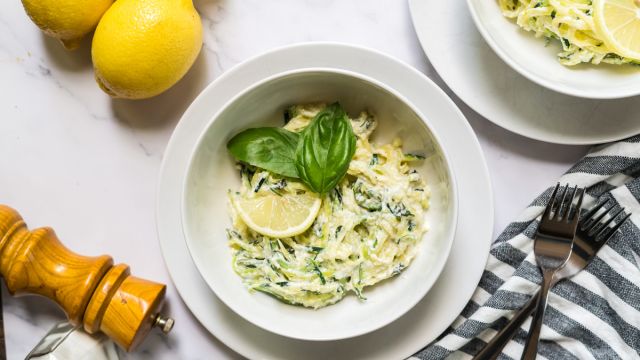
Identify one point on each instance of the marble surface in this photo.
(87, 165)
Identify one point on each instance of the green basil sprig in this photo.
(325, 149)
(319, 156)
(269, 148)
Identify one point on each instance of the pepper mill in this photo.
(92, 291)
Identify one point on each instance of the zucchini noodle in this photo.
(368, 228)
(570, 22)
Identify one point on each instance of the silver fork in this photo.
(592, 234)
(552, 248)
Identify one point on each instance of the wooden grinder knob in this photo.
(91, 290)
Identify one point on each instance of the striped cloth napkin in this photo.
(595, 314)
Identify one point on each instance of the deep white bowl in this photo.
(211, 173)
(528, 55)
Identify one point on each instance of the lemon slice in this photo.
(618, 23)
(278, 216)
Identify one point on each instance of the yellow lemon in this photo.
(66, 20)
(618, 23)
(278, 215)
(143, 47)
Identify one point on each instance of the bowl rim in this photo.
(453, 200)
(524, 71)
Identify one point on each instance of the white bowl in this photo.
(528, 55)
(211, 172)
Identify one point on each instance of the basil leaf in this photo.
(272, 149)
(325, 149)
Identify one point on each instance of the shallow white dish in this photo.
(429, 317)
(212, 172)
(474, 72)
(528, 55)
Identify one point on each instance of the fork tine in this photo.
(615, 228)
(558, 211)
(586, 223)
(567, 212)
(595, 220)
(547, 210)
(599, 230)
(576, 214)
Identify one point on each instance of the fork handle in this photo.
(531, 346)
(493, 348)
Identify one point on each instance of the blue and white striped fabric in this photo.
(595, 314)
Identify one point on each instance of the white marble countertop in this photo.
(87, 165)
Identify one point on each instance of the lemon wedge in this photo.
(618, 24)
(278, 216)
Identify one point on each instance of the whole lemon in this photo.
(66, 20)
(143, 47)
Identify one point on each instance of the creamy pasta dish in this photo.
(570, 22)
(368, 228)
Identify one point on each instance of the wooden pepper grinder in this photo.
(91, 290)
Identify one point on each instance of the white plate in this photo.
(212, 172)
(464, 267)
(528, 55)
(474, 72)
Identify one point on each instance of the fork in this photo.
(552, 248)
(586, 245)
